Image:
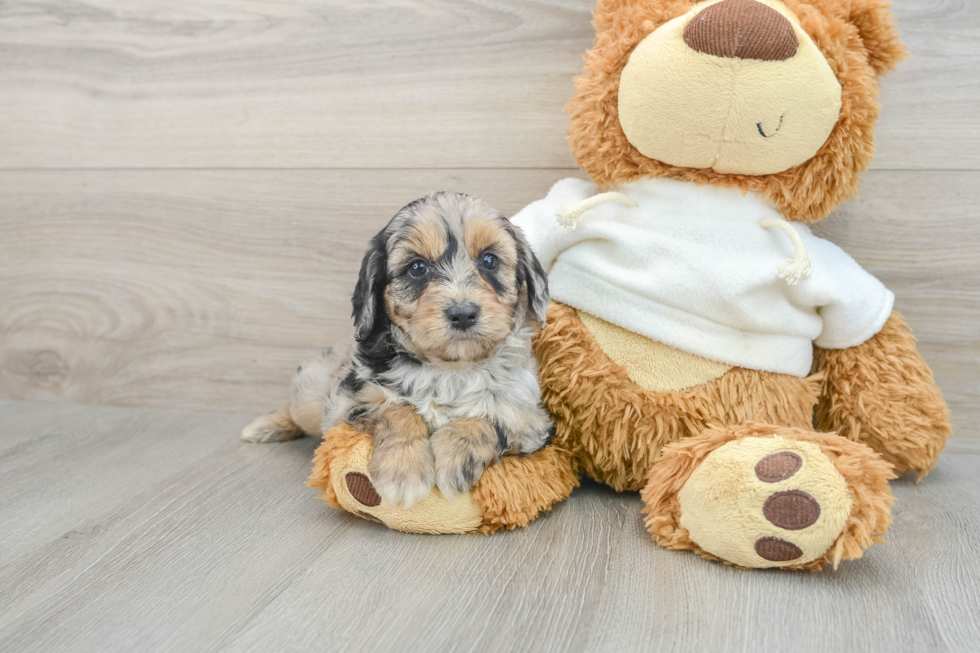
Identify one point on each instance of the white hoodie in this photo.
(691, 268)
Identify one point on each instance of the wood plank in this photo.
(919, 234)
(387, 83)
(182, 538)
(205, 289)
(191, 288)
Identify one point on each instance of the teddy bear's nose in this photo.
(742, 29)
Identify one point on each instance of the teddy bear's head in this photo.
(774, 96)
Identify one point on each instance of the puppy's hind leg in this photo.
(316, 382)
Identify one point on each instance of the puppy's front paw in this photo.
(403, 472)
(462, 449)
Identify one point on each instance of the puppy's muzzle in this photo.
(463, 316)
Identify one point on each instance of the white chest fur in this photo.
(501, 389)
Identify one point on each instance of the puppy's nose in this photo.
(463, 316)
(742, 29)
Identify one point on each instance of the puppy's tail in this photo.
(315, 384)
(274, 427)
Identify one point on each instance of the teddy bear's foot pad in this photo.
(343, 473)
(511, 493)
(765, 502)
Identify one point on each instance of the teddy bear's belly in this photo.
(649, 364)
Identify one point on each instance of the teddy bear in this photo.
(704, 347)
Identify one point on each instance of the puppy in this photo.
(440, 372)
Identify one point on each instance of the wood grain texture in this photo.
(375, 83)
(150, 530)
(205, 289)
(193, 288)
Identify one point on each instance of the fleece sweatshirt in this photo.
(690, 267)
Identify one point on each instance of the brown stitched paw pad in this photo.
(777, 550)
(778, 466)
(793, 510)
(360, 487)
(343, 461)
(765, 502)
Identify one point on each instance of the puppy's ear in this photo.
(368, 299)
(532, 275)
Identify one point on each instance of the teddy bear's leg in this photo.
(509, 495)
(882, 393)
(760, 496)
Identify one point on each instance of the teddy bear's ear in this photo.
(879, 32)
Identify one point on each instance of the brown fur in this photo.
(463, 449)
(858, 51)
(882, 393)
(616, 429)
(864, 472)
(518, 489)
(426, 330)
(425, 238)
(402, 456)
(483, 235)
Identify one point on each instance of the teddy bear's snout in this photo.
(742, 29)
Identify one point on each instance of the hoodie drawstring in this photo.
(569, 214)
(798, 268)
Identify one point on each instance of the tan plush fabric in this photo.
(722, 505)
(857, 36)
(864, 472)
(346, 451)
(651, 365)
(730, 115)
(883, 393)
(616, 429)
(509, 495)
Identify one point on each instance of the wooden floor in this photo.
(127, 529)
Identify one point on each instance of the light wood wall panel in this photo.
(374, 83)
(204, 289)
(185, 190)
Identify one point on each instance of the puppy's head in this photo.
(452, 278)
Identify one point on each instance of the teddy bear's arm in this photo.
(882, 393)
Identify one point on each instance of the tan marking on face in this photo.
(457, 279)
(399, 312)
(482, 235)
(497, 310)
(424, 238)
(431, 337)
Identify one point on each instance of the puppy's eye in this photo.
(489, 261)
(418, 269)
